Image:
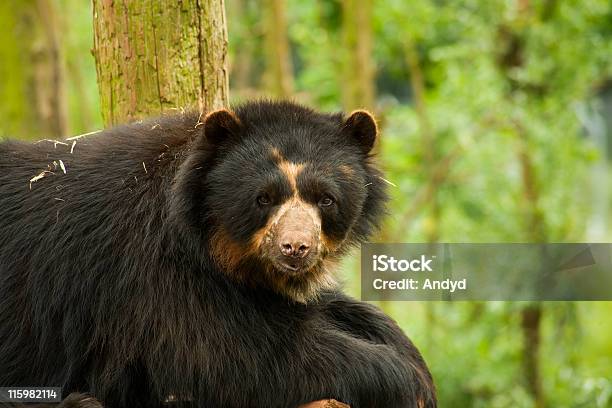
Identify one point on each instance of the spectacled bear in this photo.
(191, 258)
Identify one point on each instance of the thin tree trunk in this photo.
(156, 55)
(358, 78)
(279, 73)
(33, 90)
(430, 156)
(86, 112)
(531, 317)
(50, 73)
(241, 66)
(510, 57)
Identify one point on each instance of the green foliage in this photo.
(317, 26)
(491, 114)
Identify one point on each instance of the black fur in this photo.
(107, 285)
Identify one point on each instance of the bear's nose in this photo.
(298, 247)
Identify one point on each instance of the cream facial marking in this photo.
(297, 207)
(347, 171)
(290, 170)
(295, 214)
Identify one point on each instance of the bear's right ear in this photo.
(220, 125)
(361, 127)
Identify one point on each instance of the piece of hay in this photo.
(387, 181)
(83, 135)
(39, 176)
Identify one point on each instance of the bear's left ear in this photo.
(220, 125)
(361, 126)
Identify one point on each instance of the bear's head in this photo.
(280, 192)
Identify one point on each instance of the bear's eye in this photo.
(326, 201)
(263, 199)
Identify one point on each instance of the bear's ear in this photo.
(220, 125)
(361, 126)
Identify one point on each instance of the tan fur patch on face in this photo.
(265, 235)
(329, 243)
(301, 288)
(228, 253)
(305, 288)
(289, 169)
(347, 171)
(262, 236)
(277, 157)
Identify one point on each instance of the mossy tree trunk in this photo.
(31, 65)
(156, 55)
(358, 72)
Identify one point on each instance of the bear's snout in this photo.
(297, 231)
